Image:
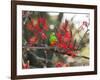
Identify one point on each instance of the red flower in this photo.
(71, 53)
(43, 36)
(37, 28)
(42, 23)
(71, 46)
(30, 26)
(25, 66)
(33, 40)
(67, 36)
(59, 36)
(41, 20)
(59, 64)
(45, 27)
(62, 45)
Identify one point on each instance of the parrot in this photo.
(53, 39)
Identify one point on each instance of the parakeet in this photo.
(53, 39)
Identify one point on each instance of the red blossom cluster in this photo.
(61, 64)
(25, 66)
(39, 26)
(37, 29)
(64, 36)
(65, 39)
